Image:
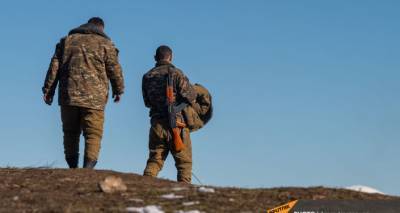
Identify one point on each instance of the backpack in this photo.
(199, 113)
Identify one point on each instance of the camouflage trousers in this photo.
(76, 120)
(160, 146)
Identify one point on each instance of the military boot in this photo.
(72, 162)
(89, 164)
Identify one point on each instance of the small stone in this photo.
(15, 198)
(112, 184)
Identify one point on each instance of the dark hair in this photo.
(162, 53)
(96, 21)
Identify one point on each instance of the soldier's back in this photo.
(83, 72)
(154, 85)
(85, 51)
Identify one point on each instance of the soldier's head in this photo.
(163, 53)
(97, 21)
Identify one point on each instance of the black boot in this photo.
(89, 164)
(72, 162)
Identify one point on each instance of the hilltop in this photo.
(62, 190)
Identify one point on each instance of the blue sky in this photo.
(306, 92)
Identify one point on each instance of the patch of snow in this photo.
(191, 203)
(190, 211)
(146, 209)
(137, 200)
(171, 196)
(177, 189)
(206, 190)
(366, 189)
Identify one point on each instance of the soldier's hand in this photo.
(116, 98)
(48, 99)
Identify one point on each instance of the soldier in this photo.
(154, 95)
(83, 64)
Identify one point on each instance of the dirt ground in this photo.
(62, 190)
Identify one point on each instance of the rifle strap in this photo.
(171, 78)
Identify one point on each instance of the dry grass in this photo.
(61, 190)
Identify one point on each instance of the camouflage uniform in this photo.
(160, 143)
(83, 64)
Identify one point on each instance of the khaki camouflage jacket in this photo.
(154, 85)
(83, 64)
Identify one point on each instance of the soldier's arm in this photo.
(52, 76)
(184, 89)
(144, 93)
(114, 70)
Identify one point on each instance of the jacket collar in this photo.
(162, 63)
(88, 29)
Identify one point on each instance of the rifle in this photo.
(173, 109)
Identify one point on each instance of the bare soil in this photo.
(63, 190)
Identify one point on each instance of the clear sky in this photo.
(306, 93)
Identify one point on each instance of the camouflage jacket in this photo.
(154, 85)
(83, 64)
